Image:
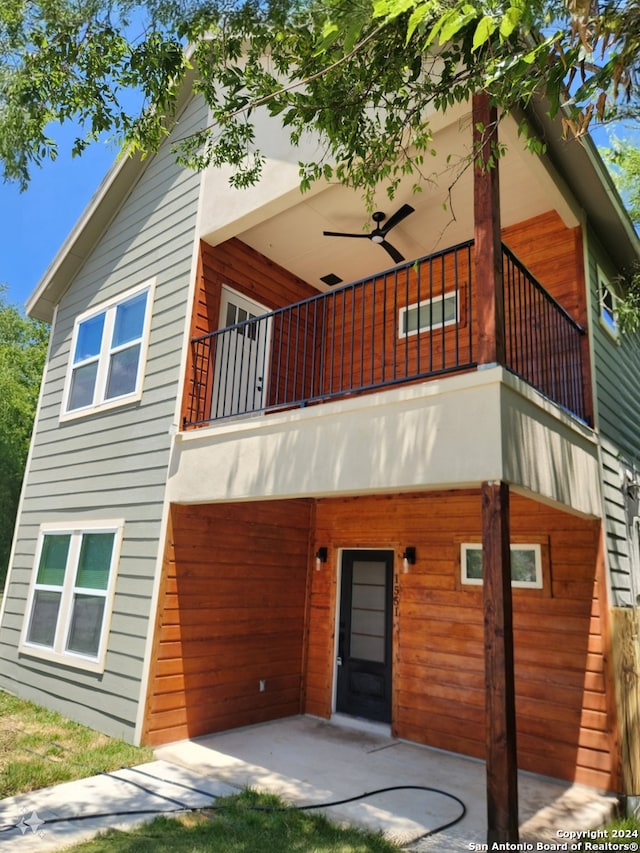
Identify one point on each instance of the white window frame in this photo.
(607, 318)
(425, 303)
(525, 546)
(57, 653)
(109, 308)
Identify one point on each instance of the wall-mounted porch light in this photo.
(322, 555)
(409, 557)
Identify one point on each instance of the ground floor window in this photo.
(526, 564)
(71, 593)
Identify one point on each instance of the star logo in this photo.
(33, 822)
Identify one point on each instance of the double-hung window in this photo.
(71, 593)
(108, 354)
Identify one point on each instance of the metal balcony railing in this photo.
(543, 342)
(409, 323)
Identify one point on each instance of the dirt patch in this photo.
(8, 737)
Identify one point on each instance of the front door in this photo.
(364, 642)
(241, 356)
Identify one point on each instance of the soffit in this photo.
(443, 216)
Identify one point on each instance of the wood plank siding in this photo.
(555, 256)
(250, 273)
(231, 615)
(372, 313)
(234, 611)
(113, 465)
(563, 695)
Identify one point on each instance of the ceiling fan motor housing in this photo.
(379, 234)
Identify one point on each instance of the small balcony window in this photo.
(429, 314)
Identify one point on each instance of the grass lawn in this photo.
(244, 823)
(40, 748)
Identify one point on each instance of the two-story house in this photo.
(256, 480)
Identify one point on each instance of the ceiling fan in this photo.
(379, 233)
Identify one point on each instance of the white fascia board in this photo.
(100, 210)
(97, 215)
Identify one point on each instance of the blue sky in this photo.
(35, 223)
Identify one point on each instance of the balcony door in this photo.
(241, 356)
(364, 642)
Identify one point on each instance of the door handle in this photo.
(339, 661)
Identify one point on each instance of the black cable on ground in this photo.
(97, 815)
(326, 805)
(184, 808)
(430, 832)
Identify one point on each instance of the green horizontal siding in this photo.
(617, 374)
(113, 464)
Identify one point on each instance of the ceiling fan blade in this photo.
(395, 254)
(397, 217)
(342, 234)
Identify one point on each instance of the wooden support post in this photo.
(488, 240)
(500, 723)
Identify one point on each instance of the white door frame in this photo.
(240, 385)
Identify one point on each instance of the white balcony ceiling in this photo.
(443, 214)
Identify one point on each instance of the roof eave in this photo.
(588, 178)
(93, 221)
(104, 204)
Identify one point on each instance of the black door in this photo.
(364, 642)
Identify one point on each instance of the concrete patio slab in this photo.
(52, 819)
(309, 762)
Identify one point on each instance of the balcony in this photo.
(402, 326)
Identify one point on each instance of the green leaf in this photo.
(510, 21)
(484, 31)
(417, 17)
(455, 22)
(330, 34)
(352, 35)
(437, 28)
(391, 9)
